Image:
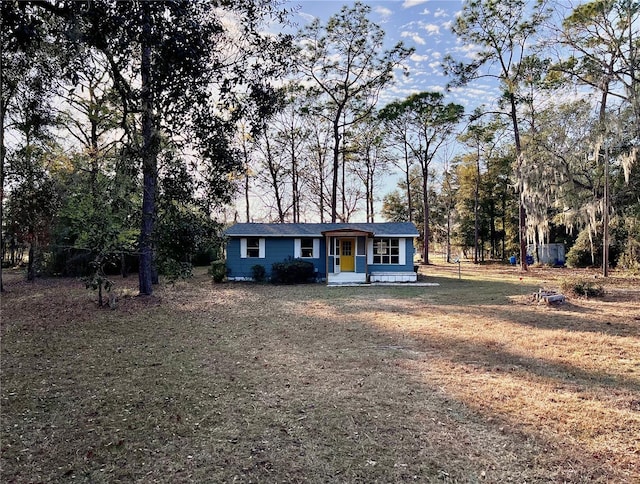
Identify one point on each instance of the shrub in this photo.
(292, 271)
(218, 270)
(259, 273)
(580, 286)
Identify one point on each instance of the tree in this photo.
(180, 72)
(343, 60)
(292, 136)
(318, 173)
(603, 37)
(503, 31)
(481, 139)
(397, 123)
(30, 59)
(447, 199)
(430, 123)
(368, 159)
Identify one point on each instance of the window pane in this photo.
(386, 251)
(306, 247)
(253, 247)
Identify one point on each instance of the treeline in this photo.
(117, 129)
(552, 159)
(132, 131)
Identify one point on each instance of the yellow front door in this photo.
(347, 252)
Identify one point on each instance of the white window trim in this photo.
(402, 251)
(297, 249)
(243, 249)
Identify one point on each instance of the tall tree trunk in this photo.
(425, 194)
(149, 162)
(476, 210)
(2, 156)
(245, 156)
(370, 194)
(246, 194)
(321, 189)
(408, 180)
(33, 248)
(294, 177)
(344, 166)
(605, 160)
(336, 166)
(274, 178)
(448, 234)
(522, 214)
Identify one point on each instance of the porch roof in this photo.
(347, 233)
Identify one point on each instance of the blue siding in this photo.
(278, 249)
(275, 250)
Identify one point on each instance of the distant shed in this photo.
(553, 254)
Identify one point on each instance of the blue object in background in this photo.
(512, 260)
(529, 260)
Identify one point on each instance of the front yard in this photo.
(467, 381)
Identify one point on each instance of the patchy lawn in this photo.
(464, 382)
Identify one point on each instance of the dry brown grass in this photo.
(465, 382)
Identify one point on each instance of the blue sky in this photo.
(424, 25)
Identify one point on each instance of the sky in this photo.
(424, 25)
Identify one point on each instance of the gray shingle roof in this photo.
(383, 229)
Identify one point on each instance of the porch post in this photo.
(327, 251)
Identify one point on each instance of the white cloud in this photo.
(413, 36)
(426, 11)
(440, 13)
(419, 58)
(307, 17)
(435, 65)
(385, 12)
(432, 29)
(447, 25)
(413, 3)
(470, 51)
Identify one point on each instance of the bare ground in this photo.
(468, 381)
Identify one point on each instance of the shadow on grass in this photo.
(231, 384)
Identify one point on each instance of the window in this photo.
(253, 247)
(346, 247)
(386, 251)
(306, 248)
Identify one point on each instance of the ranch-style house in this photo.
(342, 253)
